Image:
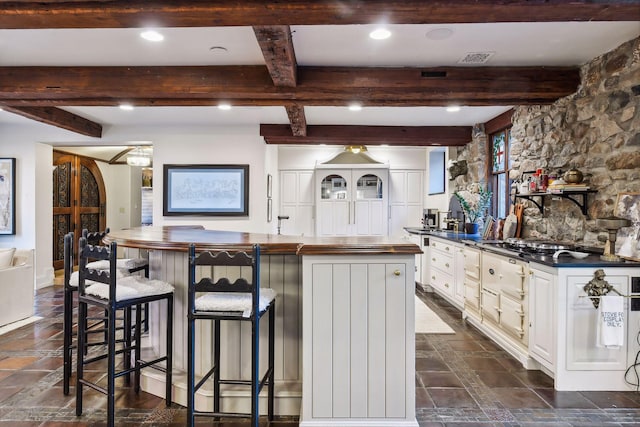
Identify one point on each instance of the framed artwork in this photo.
(436, 172)
(215, 190)
(628, 239)
(8, 195)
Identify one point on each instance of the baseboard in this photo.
(46, 279)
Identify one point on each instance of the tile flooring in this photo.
(462, 379)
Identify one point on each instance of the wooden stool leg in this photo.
(67, 326)
(111, 368)
(255, 377)
(190, 370)
(82, 326)
(271, 389)
(169, 372)
(216, 364)
(138, 347)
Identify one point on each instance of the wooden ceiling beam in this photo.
(279, 55)
(370, 135)
(297, 119)
(202, 13)
(280, 58)
(59, 118)
(252, 85)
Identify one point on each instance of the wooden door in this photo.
(79, 200)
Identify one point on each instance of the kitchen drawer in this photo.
(490, 305)
(472, 263)
(442, 261)
(504, 274)
(471, 295)
(512, 318)
(442, 281)
(441, 246)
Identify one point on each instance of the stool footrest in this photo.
(221, 414)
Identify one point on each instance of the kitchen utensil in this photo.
(510, 226)
(577, 255)
(519, 211)
(573, 176)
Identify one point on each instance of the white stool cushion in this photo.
(130, 287)
(122, 263)
(234, 301)
(73, 280)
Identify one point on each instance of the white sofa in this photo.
(17, 288)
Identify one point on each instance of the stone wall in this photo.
(596, 130)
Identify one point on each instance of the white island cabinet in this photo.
(359, 345)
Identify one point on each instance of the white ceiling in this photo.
(512, 44)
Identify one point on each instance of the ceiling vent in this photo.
(476, 58)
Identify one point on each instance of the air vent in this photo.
(476, 58)
(434, 74)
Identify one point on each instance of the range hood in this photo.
(352, 155)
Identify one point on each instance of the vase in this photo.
(471, 228)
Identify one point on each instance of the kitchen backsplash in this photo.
(596, 130)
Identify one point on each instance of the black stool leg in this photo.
(127, 344)
(255, 378)
(67, 338)
(82, 326)
(137, 348)
(271, 390)
(169, 372)
(111, 368)
(216, 364)
(190, 370)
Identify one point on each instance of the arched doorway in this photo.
(79, 200)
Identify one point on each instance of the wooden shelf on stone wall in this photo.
(577, 197)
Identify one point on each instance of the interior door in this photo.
(79, 200)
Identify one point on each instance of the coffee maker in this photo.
(429, 218)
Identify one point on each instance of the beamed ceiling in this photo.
(53, 94)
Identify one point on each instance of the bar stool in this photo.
(98, 324)
(111, 294)
(130, 265)
(241, 300)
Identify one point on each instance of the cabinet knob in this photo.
(447, 265)
(446, 285)
(433, 259)
(396, 272)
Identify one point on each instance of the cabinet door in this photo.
(512, 317)
(490, 305)
(296, 202)
(542, 316)
(359, 341)
(471, 295)
(472, 263)
(458, 277)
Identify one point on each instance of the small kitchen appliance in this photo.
(430, 218)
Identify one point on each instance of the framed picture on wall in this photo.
(7, 195)
(628, 238)
(216, 190)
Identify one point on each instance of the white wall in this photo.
(222, 145)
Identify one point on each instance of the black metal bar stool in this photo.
(112, 293)
(242, 300)
(98, 324)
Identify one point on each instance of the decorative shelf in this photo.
(577, 197)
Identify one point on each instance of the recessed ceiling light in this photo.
(126, 107)
(355, 107)
(152, 36)
(380, 34)
(224, 106)
(439, 33)
(453, 109)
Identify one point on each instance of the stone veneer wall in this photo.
(596, 130)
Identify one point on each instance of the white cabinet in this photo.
(542, 317)
(352, 202)
(471, 282)
(443, 276)
(359, 346)
(504, 300)
(296, 201)
(458, 283)
(406, 192)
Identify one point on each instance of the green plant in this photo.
(474, 203)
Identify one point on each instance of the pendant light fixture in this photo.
(139, 156)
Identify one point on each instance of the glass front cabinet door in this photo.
(352, 202)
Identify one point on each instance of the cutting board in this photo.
(510, 226)
(518, 210)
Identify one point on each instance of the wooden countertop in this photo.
(178, 239)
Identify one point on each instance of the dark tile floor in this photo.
(462, 379)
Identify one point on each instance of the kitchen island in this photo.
(345, 344)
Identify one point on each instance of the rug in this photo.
(15, 325)
(428, 322)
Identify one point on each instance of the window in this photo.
(499, 182)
